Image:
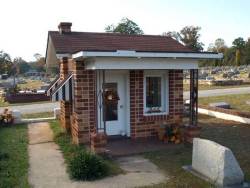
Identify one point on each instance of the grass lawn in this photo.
(6, 104)
(237, 102)
(31, 84)
(186, 87)
(228, 133)
(3, 103)
(69, 149)
(14, 156)
(38, 115)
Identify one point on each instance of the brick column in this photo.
(65, 106)
(84, 111)
(66, 109)
(176, 95)
(63, 68)
(136, 100)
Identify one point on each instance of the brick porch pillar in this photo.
(65, 106)
(65, 113)
(176, 96)
(84, 111)
(64, 68)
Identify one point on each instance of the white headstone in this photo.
(17, 116)
(216, 162)
(57, 113)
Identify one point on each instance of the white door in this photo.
(115, 113)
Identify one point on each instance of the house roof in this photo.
(88, 41)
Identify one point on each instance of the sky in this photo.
(25, 24)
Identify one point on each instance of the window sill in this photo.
(155, 113)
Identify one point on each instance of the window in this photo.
(110, 101)
(155, 92)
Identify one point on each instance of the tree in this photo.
(247, 53)
(125, 26)
(172, 34)
(40, 62)
(220, 45)
(189, 36)
(239, 45)
(5, 63)
(21, 65)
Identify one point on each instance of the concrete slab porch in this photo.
(123, 146)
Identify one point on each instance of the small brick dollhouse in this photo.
(119, 84)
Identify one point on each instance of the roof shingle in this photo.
(87, 41)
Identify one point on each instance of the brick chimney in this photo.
(64, 27)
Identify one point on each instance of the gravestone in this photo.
(216, 163)
(220, 105)
(57, 113)
(17, 116)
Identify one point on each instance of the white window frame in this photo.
(164, 109)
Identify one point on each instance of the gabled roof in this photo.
(87, 41)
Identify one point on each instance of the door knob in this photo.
(121, 106)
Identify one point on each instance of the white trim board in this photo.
(111, 63)
(130, 53)
(224, 116)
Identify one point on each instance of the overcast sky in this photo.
(25, 23)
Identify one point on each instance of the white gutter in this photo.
(60, 56)
(124, 53)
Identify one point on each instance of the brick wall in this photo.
(65, 112)
(83, 122)
(84, 117)
(147, 126)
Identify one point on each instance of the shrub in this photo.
(87, 166)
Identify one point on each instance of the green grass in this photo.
(233, 135)
(38, 115)
(31, 84)
(6, 104)
(3, 103)
(69, 149)
(237, 102)
(14, 156)
(230, 134)
(171, 162)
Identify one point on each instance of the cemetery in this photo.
(223, 76)
(24, 89)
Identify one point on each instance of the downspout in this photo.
(103, 102)
(96, 101)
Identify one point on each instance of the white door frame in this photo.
(126, 98)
